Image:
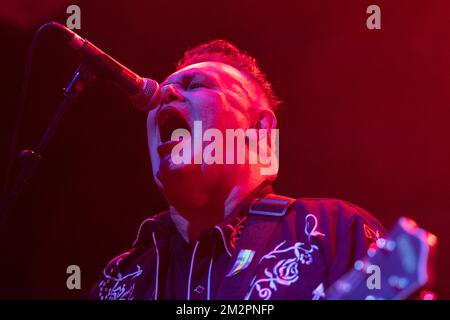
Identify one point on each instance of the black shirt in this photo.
(295, 255)
(201, 266)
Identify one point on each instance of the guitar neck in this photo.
(394, 269)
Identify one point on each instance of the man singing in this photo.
(226, 234)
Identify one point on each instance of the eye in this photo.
(196, 85)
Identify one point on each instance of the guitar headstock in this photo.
(394, 269)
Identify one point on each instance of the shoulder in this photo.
(130, 264)
(344, 231)
(335, 217)
(334, 209)
(145, 236)
(347, 230)
(157, 223)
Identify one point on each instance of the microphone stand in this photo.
(30, 159)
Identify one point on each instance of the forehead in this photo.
(215, 70)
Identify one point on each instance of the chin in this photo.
(177, 175)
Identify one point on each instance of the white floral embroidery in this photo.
(311, 229)
(318, 292)
(285, 272)
(114, 288)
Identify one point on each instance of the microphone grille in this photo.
(150, 86)
(149, 97)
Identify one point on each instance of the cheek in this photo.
(151, 128)
(208, 107)
(221, 110)
(152, 138)
(238, 108)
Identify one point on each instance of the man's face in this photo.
(218, 95)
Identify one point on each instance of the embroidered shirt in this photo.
(295, 256)
(195, 271)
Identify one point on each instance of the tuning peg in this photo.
(398, 282)
(359, 265)
(343, 286)
(427, 295)
(384, 244)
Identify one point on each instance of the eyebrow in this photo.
(194, 72)
(188, 76)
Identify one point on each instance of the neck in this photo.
(193, 219)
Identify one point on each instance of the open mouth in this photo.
(168, 121)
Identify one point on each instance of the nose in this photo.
(170, 93)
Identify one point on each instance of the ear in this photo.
(266, 119)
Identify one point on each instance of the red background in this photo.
(365, 119)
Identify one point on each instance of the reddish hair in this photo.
(225, 52)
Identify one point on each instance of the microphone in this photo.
(144, 93)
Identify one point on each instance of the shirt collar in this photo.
(231, 228)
